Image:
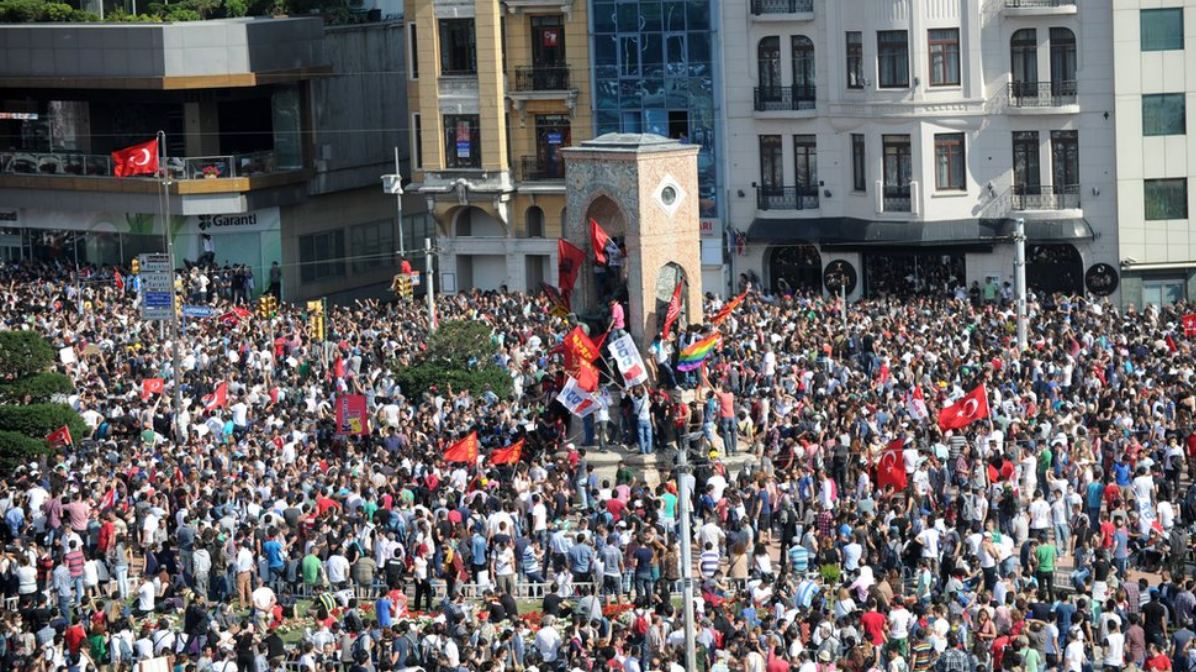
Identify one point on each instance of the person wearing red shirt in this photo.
(74, 635)
(776, 660)
(324, 503)
(1106, 531)
(1156, 660)
(873, 623)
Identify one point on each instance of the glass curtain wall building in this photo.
(654, 73)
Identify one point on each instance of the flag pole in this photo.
(180, 432)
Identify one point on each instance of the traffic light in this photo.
(272, 304)
(263, 306)
(135, 266)
(403, 287)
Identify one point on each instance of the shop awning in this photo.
(851, 231)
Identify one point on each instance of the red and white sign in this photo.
(627, 356)
(578, 401)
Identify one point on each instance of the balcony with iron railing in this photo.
(787, 198)
(785, 98)
(896, 198)
(1043, 97)
(1045, 197)
(536, 170)
(542, 78)
(1040, 7)
(801, 10)
(90, 171)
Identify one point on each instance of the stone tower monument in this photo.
(643, 190)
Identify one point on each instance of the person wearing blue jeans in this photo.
(642, 407)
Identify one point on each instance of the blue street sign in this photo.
(158, 300)
(198, 311)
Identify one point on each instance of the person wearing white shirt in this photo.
(145, 597)
(548, 641)
(1074, 655)
(1114, 648)
(337, 568)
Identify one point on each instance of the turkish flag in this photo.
(465, 450)
(891, 468)
(152, 386)
(136, 160)
(242, 311)
(216, 399)
(972, 407)
(598, 239)
(229, 319)
(568, 266)
(674, 310)
(508, 455)
(61, 437)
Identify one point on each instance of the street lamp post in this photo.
(1019, 278)
(393, 184)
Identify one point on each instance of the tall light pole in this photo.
(393, 184)
(180, 432)
(1019, 278)
(431, 284)
(687, 563)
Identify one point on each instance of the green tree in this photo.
(460, 354)
(25, 388)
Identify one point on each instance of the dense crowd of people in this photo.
(1051, 534)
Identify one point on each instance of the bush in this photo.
(23, 352)
(17, 449)
(460, 354)
(22, 11)
(40, 420)
(59, 12)
(40, 387)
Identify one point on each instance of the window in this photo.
(462, 141)
(855, 59)
(458, 53)
(1166, 199)
(803, 67)
(1162, 29)
(892, 54)
(1065, 159)
(949, 168)
(772, 163)
(372, 245)
(1163, 114)
(1023, 50)
(768, 60)
(1026, 168)
(944, 57)
(417, 134)
(412, 52)
(1162, 292)
(898, 166)
(1063, 62)
(859, 169)
(805, 156)
(322, 256)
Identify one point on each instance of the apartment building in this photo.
(496, 90)
(891, 144)
(1156, 158)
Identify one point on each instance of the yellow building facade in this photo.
(496, 90)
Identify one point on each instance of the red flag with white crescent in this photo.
(891, 468)
(972, 407)
(217, 398)
(136, 160)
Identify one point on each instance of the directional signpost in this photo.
(157, 286)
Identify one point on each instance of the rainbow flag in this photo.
(693, 356)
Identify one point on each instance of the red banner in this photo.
(508, 455)
(465, 450)
(352, 416)
(674, 310)
(1189, 324)
(725, 312)
(598, 239)
(891, 469)
(569, 263)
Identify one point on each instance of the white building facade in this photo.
(1154, 78)
(891, 144)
